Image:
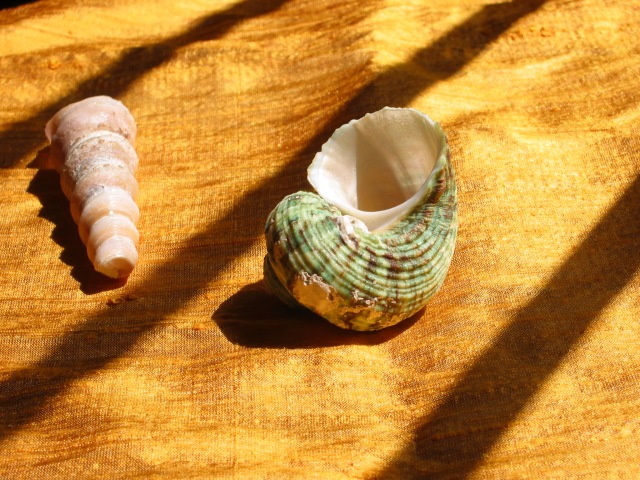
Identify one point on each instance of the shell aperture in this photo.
(376, 243)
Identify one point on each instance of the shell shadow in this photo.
(45, 186)
(253, 317)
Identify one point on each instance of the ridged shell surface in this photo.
(92, 147)
(370, 272)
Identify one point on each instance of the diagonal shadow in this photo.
(397, 86)
(26, 135)
(448, 55)
(10, 14)
(25, 394)
(453, 439)
(14, 3)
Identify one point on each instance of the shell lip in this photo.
(384, 219)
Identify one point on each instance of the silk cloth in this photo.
(524, 365)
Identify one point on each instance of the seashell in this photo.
(376, 242)
(92, 147)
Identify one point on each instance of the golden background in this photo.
(525, 365)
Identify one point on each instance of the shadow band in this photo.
(487, 399)
(28, 134)
(27, 391)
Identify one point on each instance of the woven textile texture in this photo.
(525, 364)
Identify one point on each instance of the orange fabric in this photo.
(525, 365)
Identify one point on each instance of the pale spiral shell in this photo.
(92, 147)
(358, 267)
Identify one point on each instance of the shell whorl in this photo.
(358, 279)
(92, 147)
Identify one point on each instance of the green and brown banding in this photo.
(377, 279)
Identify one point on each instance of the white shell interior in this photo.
(376, 168)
